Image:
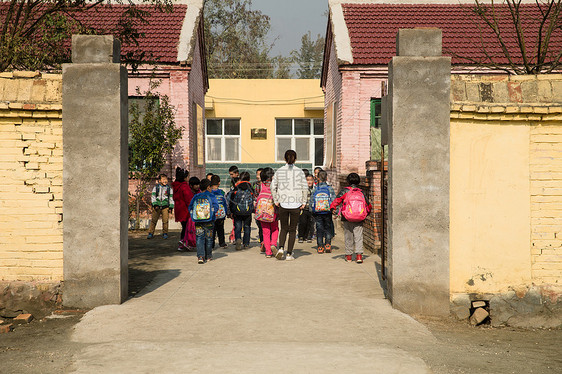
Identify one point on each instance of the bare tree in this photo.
(536, 28)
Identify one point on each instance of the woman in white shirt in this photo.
(289, 190)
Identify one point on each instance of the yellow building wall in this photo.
(490, 206)
(258, 102)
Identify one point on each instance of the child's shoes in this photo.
(328, 248)
(347, 258)
(359, 258)
(320, 249)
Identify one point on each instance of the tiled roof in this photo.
(372, 31)
(160, 34)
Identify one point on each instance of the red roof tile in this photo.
(373, 27)
(159, 34)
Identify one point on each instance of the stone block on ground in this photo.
(478, 316)
(478, 304)
(6, 328)
(23, 318)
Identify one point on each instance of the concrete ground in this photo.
(243, 313)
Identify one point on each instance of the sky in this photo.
(291, 19)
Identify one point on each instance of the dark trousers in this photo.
(183, 228)
(289, 219)
(260, 231)
(324, 229)
(219, 231)
(243, 222)
(306, 225)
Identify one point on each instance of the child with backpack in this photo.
(321, 198)
(162, 199)
(266, 213)
(241, 200)
(190, 239)
(182, 198)
(306, 220)
(203, 209)
(355, 208)
(221, 213)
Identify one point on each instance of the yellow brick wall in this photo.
(506, 155)
(31, 183)
(546, 201)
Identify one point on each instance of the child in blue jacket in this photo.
(222, 213)
(203, 210)
(321, 198)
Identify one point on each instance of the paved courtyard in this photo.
(243, 313)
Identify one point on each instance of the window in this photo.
(223, 140)
(304, 135)
(376, 113)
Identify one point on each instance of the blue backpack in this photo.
(221, 213)
(320, 200)
(202, 209)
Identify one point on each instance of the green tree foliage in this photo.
(34, 34)
(309, 57)
(152, 136)
(236, 40)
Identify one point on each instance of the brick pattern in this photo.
(332, 94)
(372, 233)
(197, 87)
(534, 101)
(546, 202)
(31, 165)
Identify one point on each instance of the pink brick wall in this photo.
(197, 90)
(351, 90)
(355, 140)
(333, 94)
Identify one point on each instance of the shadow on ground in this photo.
(146, 258)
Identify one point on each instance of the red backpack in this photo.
(354, 205)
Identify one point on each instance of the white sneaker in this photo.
(280, 253)
(289, 257)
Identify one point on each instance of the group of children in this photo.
(202, 208)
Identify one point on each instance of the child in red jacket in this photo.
(182, 198)
(355, 208)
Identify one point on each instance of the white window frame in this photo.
(223, 137)
(311, 138)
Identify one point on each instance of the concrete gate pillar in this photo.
(95, 182)
(418, 139)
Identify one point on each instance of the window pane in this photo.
(231, 148)
(302, 127)
(302, 147)
(318, 151)
(213, 149)
(318, 127)
(283, 144)
(232, 127)
(214, 127)
(284, 127)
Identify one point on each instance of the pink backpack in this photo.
(354, 205)
(265, 208)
